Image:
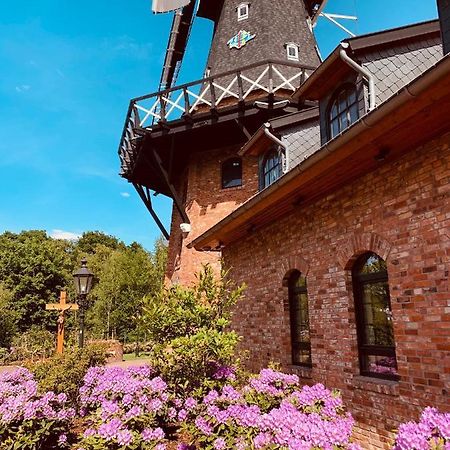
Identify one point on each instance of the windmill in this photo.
(184, 16)
(261, 52)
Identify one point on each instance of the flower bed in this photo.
(132, 409)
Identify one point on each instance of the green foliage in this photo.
(65, 373)
(8, 318)
(33, 267)
(180, 311)
(32, 344)
(31, 435)
(90, 240)
(188, 363)
(189, 329)
(125, 277)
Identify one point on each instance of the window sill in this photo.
(378, 385)
(301, 371)
(232, 188)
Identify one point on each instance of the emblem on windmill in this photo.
(239, 40)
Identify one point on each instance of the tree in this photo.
(33, 267)
(88, 242)
(125, 277)
(8, 317)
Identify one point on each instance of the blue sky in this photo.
(68, 71)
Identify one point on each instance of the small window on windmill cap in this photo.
(292, 51)
(243, 10)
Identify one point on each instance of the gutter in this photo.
(364, 72)
(408, 92)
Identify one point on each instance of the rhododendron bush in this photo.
(125, 408)
(133, 409)
(30, 421)
(270, 412)
(432, 432)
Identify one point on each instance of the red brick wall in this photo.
(400, 211)
(206, 204)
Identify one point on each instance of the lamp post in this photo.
(83, 278)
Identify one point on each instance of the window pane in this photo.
(334, 110)
(300, 334)
(344, 121)
(378, 316)
(381, 365)
(354, 114)
(232, 173)
(374, 316)
(373, 264)
(352, 97)
(301, 356)
(344, 111)
(271, 168)
(334, 128)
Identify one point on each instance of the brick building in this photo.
(346, 256)
(328, 195)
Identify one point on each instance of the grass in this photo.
(132, 356)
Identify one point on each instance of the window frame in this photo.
(289, 46)
(296, 344)
(348, 88)
(223, 166)
(359, 280)
(247, 11)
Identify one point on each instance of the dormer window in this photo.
(343, 110)
(242, 11)
(271, 167)
(292, 51)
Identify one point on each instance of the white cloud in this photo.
(66, 235)
(23, 88)
(125, 194)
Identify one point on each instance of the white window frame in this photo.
(247, 11)
(292, 46)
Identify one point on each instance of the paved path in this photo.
(131, 363)
(6, 369)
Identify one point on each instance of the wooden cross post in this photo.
(62, 307)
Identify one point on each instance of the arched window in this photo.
(232, 173)
(343, 110)
(374, 317)
(299, 314)
(271, 167)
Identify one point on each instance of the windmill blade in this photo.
(163, 6)
(176, 47)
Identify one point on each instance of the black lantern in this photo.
(83, 278)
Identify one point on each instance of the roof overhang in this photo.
(260, 141)
(416, 114)
(333, 69)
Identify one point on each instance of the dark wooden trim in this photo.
(173, 191)
(148, 203)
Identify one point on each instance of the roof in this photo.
(333, 69)
(260, 141)
(415, 115)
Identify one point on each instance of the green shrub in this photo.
(65, 373)
(33, 344)
(189, 329)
